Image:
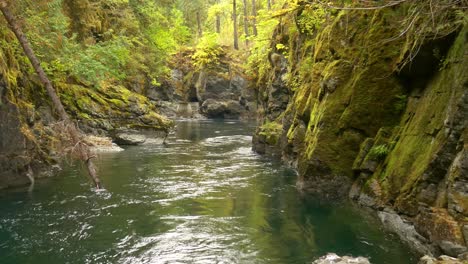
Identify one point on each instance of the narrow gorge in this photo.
(323, 132)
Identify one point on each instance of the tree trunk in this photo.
(254, 17)
(218, 21)
(218, 24)
(246, 24)
(199, 26)
(82, 149)
(269, 4)
(234, 19)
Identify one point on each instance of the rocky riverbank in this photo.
(33, 144)
(221, 89)
(359, 120)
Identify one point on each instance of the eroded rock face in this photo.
(221, 89)
(212, 108)
(223, 94)
(332, 258)
(110, 108)
(396, 142)
(20, 158)
(406, 231)
(437, 225)
(30, 135)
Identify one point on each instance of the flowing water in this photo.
(203, 198)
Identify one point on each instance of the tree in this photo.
(234, 19)
(199, 26)
(254, 17)
(246, 24)
(81, 148)
(218, 20)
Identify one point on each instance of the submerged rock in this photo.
(332, 258)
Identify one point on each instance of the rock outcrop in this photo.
(221, 89)
(364, 120)
(31, 140)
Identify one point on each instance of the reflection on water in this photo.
(203, 198)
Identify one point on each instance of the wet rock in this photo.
(465, 232)
(440, 260)
(165, 91)
(463, 256)
(332, 258)
(20, 163)
(437, 225)
(451, 248)
(221, 109)
(126, 138)
(393, 222)
(457, 192)
(221, 83)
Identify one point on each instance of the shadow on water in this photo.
(203, 198)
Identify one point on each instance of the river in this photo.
(205, 197)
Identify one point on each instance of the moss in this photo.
(341, 76)
(379, 152)
(112, 105)
(272, 132)
(422, 133)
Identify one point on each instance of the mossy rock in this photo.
(111, 107)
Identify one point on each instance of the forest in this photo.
(234, 131)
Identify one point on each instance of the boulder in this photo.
(452, 249)
(221, 109)
(393, 222)
(125, 138)
(332, 258)
(440, 260)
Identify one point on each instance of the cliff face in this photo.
(32, 141)
(358, 111)
(217, 89)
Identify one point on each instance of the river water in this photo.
(203, 198)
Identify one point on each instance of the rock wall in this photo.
(24, 138)
(344, 105)
(32, 142)
(221, 89)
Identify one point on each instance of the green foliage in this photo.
(400, 103)
(271, 131)
(379, 152)
(101, 40)
(311, 18)
(257, 62)
(207, 51)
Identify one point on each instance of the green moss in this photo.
(272, 132)
(114, 105)
(421, 134)
(379, 152)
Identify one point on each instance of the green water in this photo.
(203, 198)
